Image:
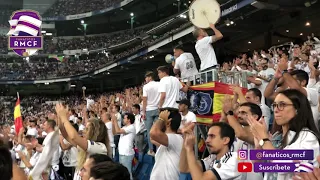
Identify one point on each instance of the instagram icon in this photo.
(242, 154)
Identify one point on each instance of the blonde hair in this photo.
(96, 131)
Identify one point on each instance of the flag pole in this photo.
(18, 95)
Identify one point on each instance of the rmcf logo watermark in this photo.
(25, 32)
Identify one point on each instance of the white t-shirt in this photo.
(171, 86)
(262, 88)
(69, 158)
(81, 127)
(89, 102)
(189, 117)
(167, 159)
(119, 119)
(187, 66)
(206, 53)
(93, 148)
(32, 132)
(125, 145)
(73, 119)
(110, 134)
(151, 91)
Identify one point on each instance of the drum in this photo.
(203, 12)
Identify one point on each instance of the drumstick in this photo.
(205, 15)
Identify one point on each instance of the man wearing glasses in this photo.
(244, 138)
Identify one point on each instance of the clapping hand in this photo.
(189, 141)
(258, 128)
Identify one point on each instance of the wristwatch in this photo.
(262, 141)
(229, 113)
(284, 71)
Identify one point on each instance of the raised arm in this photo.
(217, 34)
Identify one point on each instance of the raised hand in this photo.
(189, 141)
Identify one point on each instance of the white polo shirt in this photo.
(171, 86)
(151, 91)
(206, 53)
(187, 66)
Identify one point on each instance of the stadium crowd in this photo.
(98, 136)
(72, 7)
(47, 68)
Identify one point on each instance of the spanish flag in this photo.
(17, 116)
(206, 101)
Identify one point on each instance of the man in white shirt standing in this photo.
(169, 88)
(140, 130)
(184, 64)
(164, 133)
(205, 50)
(150, 98)
(186, 115)
(127, 135)
(49, 146)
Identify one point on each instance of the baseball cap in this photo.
(184, 101)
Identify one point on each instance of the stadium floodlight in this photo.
(131, 14)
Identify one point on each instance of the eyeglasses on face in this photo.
(280, 106)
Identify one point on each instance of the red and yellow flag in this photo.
(206, 101)
(17, 116)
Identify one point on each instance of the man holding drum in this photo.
(204, 48)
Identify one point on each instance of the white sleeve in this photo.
(228, 169)
(208, 39)
(311, 83)
(162, 86)
(177, 64)
(179, 84)
(174, 143)
(81, 127)
(129, 129)
(65, 142)
(312, 96)
(96, 148)
(207, 161)
(47, 154)
(192, 118)
(144, 91)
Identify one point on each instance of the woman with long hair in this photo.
(293, 113)
(94, 141)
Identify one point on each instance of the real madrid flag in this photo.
(206, 101)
